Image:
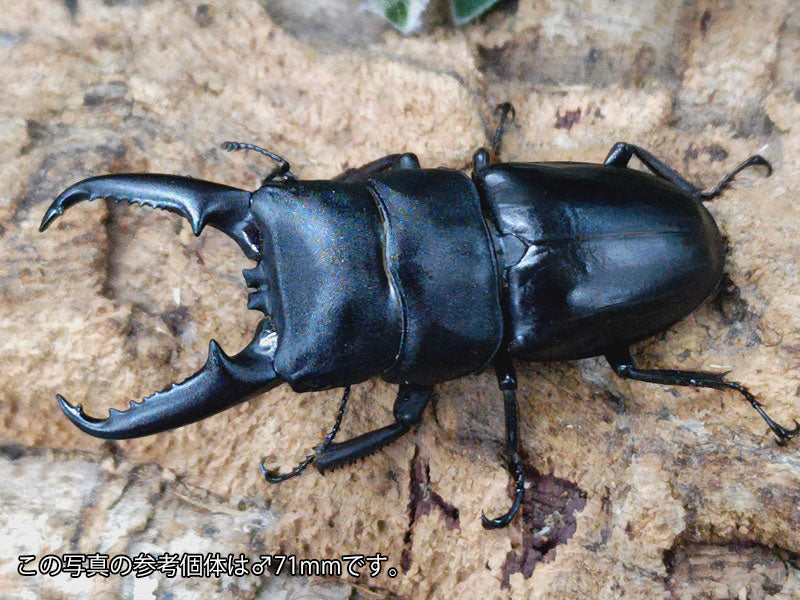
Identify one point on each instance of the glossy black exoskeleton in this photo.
(420, 276)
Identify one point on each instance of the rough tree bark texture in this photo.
(637, 490)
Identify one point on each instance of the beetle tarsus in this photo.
(621, 361)
(782, 434)
(515, 467)
(755, 160)
(785, 435)
(275, 477)
(282, 170)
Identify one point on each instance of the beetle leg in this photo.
(756, 159)
(622, 152)
(621, 361)
(392, 162)
(274, 477)
(223, 382)
(507, 380)
(408, 408)
(504, 110)
(482, 157)
(282, 170)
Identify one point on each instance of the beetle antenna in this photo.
(275, 477)
(282, 169)
(755, 160)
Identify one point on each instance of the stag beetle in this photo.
(420, 276)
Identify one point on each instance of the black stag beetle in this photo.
(420, 276)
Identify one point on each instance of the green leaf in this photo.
(397, 12)
(406, 15)
(403, 14)
(466, 10)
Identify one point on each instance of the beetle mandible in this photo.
(421, 276)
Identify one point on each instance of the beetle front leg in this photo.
(391, 162)
(621, 361)
(482, 157)
(275, 477)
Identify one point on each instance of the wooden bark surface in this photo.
(638, 491)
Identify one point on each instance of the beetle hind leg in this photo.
(621, 361)
(622, 152)
(754, 160)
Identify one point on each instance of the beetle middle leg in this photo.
(622, 152)
(621, 361)
(408, 408)
(507, 380)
